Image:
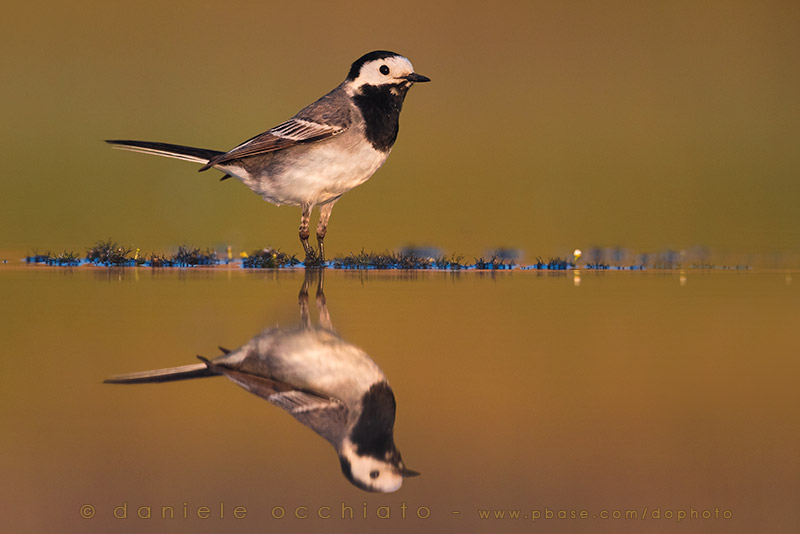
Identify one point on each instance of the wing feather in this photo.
(292, 132)
(324, 415)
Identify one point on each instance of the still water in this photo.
(578, 400)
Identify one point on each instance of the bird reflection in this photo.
(324, 382)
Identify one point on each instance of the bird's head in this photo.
(379, 474)
(383, 68)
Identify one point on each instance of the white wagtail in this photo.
(322, 152)
(327, 384)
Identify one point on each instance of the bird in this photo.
(324, 382)
(325, 150)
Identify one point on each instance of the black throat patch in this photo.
(373, 433)
(380, 106)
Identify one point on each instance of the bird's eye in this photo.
(384, 70)
(376, 473)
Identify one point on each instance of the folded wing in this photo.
(292, 132)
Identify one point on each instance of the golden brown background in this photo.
(548, 125)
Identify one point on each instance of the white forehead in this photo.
(371, 74)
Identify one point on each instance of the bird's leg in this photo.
(304, 232)
(302, 300)
(322, 227)
(322, 304)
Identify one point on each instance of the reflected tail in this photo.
(184, 372)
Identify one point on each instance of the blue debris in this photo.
(65, 259)
(109, 253)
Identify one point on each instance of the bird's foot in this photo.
(313, 260)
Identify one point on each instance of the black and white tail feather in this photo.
(170, 374)
(181, 152)
(185, 153)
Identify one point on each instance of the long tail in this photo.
(186, 153)
(197, 370)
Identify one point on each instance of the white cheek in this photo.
(360, 466)
(386, 482)
(371, 75)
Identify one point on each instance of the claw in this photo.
(312, 260)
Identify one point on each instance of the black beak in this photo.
(416, 78)
(408, 473)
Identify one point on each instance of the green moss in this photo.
(269, 258)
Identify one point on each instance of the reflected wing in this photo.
(292, 132)
(328, 419)
(324, 415)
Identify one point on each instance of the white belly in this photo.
(312, 359)
(313, 174)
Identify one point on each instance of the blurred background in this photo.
(548, 126)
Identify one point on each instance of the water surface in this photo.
(598, 392)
